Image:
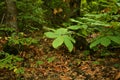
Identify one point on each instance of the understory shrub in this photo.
(30, 15)
(91, 24)
(9, 62)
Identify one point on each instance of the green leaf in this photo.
(116, 25)
(96, 63)
(87, 19)
(61, 31)
(115, 39)
(19, 70)
(117, 65)
(68, 43)
(99, 23)
(58, 42)
(76, 21)
(86, 52)
(39, 62)
(93, 15)
(84, 26)
(95, 43)
(70, 38)
(75, 27)
(50, 35)
(51, 59)
(84, 32)
(105, 41)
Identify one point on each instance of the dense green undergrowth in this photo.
(97, 27)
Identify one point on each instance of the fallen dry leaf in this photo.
(117, 77)
(65, 78)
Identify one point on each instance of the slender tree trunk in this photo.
(11, 18)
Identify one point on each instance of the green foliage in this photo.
(39, 62)
(20, 39)
(108, 31)
(86, 26)
(7, 29)
(104, 24)
(30, 14)
(50, 59)
(102, 18)
(97, 6)
(86, 52)
(19, 70)
(9, 62)
(61, 36)
(18, 42)
(96, 63)
(117, 65)
(105, 41)
(58, 42)
(2, 7)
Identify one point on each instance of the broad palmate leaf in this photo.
(68, 43)
(58, 42)
(50, 35)
(61, 31)
(70, 38)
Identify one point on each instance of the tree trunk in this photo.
(11, 18)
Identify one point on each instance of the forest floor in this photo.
(42, 62)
